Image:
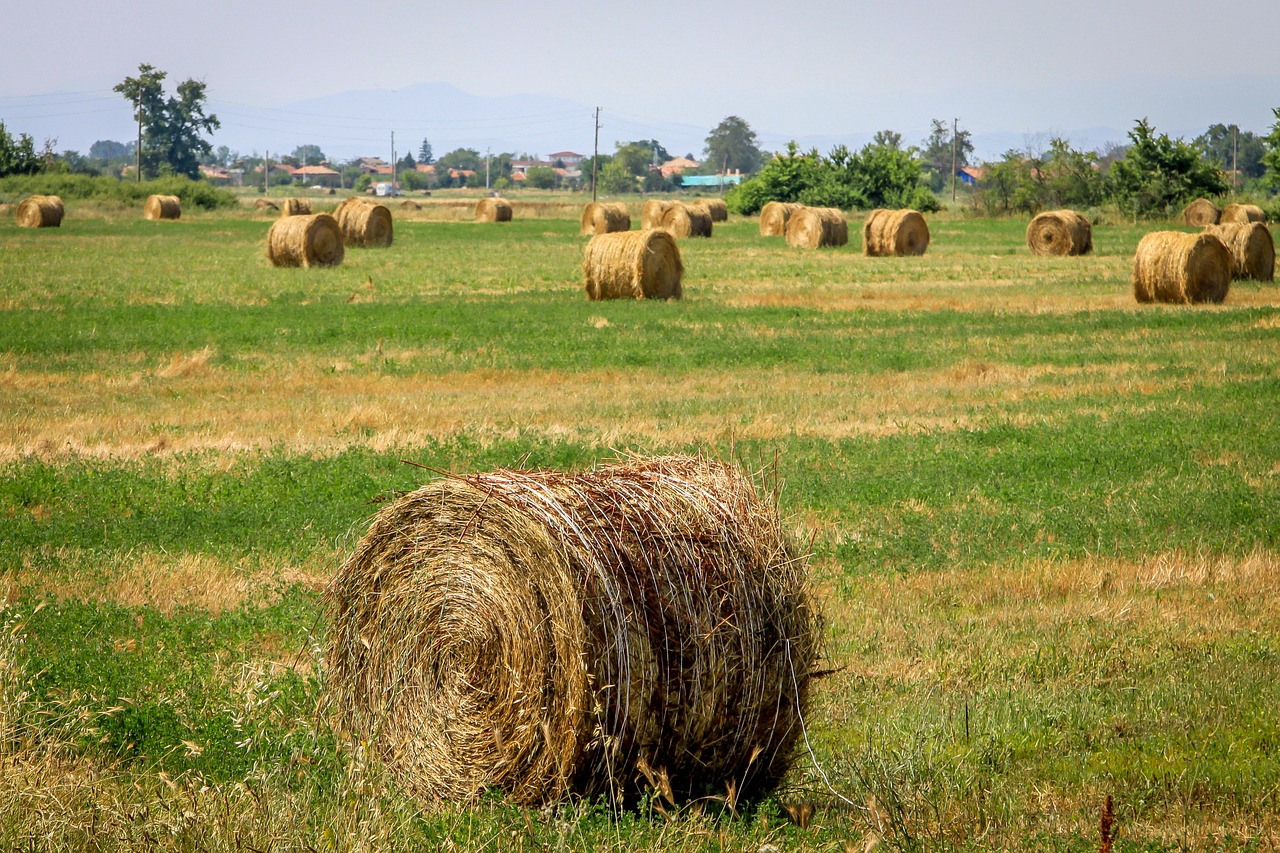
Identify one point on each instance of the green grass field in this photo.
(1045, 522)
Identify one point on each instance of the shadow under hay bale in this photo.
(716, 207)
(162, 207)
(295, 207)
(652, 211)
(605, 217)
(1171, 266)
(817, 228)
(645, 624)
(364, 223)
(632, 265)
(1201, 212)
(1253, 251)
(313, 240)
(774, 216)
(1242, 213)
(894, 233)
(493, 210)
(40, 211)
(681, 220)
(1060, 232)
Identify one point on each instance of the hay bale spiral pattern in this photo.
(1253, 251)
(643, 624)
(894, 233)
(817, 228)
(652, 211)
(295, 207)
(162, 207)
(305, 241)
(1060, 232)
(1242, 213)
(605, 217)
(1172, 266)
(364, 223)
(774, 216)
(493, 210)
(682, 220)
(40, 211)
(1201, 212)
(632, 265)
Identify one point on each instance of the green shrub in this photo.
(99, 188)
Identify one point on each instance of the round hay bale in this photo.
(493, 210)
(632, 265)
(162, 207)
(295, 207)
(894, 233)
(817, 227)
(1242, 213)
(682, 220)
(410, 204)
(716, 207)
(1201, 212)
(1171, 266)
(652, 211)
(364, 223)
(601, 217)
(774, 216)
(40, 211)
(643, 625)
(1060, 232)
(312, 240)
(1253, 251)
(264, 204)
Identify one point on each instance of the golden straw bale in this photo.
(715, 206)
(295, 207)
(1201, 212)
(364, 223)
(604, 217)
(817, 227)
(264, 204)
(493, 210)
(894, 233)
(1060, 232)
(652, 211)
(40, 211)
(312, 240)
(1242, 213)
(632, 265)
(1253, 251)
(162, 207)
(1171, 266)
(682, 220)
(410, 204)
(643, 625)
(774, 216)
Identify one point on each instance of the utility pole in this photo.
(266, 172)
(955, 131)
(486, 167)
(595, 157)
(1235, 133)
(138, 154)
(393, 163)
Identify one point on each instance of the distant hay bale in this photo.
(644, 628)
(364, 223)
(1171, 266)
(652, 211)
(1201, 212)
(493, 210)
(1253, 251)
(632, 265)
(295, 207)
(774, 216)
(894, 233)
(605, 217)
(682, 220)
(715, 206)
(817, 228)
(40, 211)
(162, 207)
(1060, 232)
(264, 204)
(1242, 213)
(410, 204)
(312, 240)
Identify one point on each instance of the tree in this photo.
(732, 145)
(425, 154)
(173, 128)
(17, 156)
(938, 153)
(615, 178)
(887, 139)
(461, 158)
(540, 177)
(657, 154)
(107, 149)
(1159, 175)
(635, 158)
(309, 155)
(407, 162)
(1271, 160)
(1229, 148)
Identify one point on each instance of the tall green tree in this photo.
(425, 154)
(1229, 148)
(309, 155)
(733, 145)
(1271, 159)
(938, 150)
(17, 156)
(173, 127)
(657, 153)
(1159, 175)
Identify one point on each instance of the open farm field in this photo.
(1044, 522)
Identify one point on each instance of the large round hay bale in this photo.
(264, 204)
(774, 216)
(410, 204)
(312, 240)
(894, 233)
(493, 210)
(643, 625)
(682, 220)
(652, 211)
(364, 223)
(605, 217)
(1060, 232)
(162, 207)
(715, 206)
(295, 207)
(632, 265)
(817, 227)
(1242, 213)
(1201, 212)
(1172, 266)
(40, 211)
(1253, 251)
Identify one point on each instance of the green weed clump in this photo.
(194, 194)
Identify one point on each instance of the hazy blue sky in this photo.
(797, 68)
